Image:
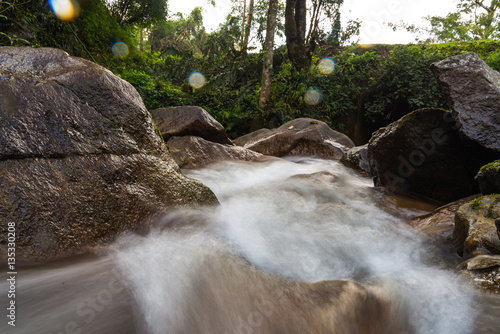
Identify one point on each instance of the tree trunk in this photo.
(248, 26)
(265, 91)
(295, 32)
(243, 19)
(141, 40)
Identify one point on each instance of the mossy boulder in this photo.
(79, 157)
(488, 178)
(475, 226)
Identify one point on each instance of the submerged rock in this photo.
(300, 137)
(79, 156)
(189, 121)
(475, 226)
(473, 91)
(195, 152)
(422, 155)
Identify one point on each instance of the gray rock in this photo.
(195, 152)
(189, 121)
(301, 137)
(79, 157)
(422, 155)
(473, 91)
(488, 178)
(357, 158)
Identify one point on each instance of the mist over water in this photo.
(282, 225)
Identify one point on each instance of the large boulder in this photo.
(357, 158)
(253, 136)
(189, 121)
(488, 178)
(473, 91)
(301, 137)
(475, 226)
(79, 157)
(422, 155)
(195, 152)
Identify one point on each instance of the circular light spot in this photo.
(313, 97)
(120, 49)
(197, 80)
(65, 10)
(326, 66)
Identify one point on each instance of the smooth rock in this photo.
(422, 155)
(195, 152)
(189, 121)
(80, 158)
(473, 91)
(301, 137)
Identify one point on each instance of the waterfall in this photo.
(258, 264)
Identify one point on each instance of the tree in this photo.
(472, 20)
(141, 13)
(265, 91)
(301, 45)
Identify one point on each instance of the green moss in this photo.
(492, 206)
(480, 203)
(495, 165)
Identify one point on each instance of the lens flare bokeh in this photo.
(197, 80)
(120, 49)
(65, 10)
(313, 97)
(326, 66)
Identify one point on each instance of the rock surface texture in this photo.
(422, 154)
(195, 152)
(357, 158)
(475, 226)
(189, 121)
(79, 156)
(300, 137)
(473, 91)
(488, 178)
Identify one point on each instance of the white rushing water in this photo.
(301, 220)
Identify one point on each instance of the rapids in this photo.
(281, 226)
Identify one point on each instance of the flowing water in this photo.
(251, 264)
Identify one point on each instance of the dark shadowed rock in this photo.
(422, 155)
(79, 156)
(301, 137)
(357, 158)
(488, 178)
(252, 136)
(475, 226)
(473, 91)
(195, 152)
(189, 121)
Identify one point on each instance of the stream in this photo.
(251, 264)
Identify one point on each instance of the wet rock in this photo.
(440, 223)
(488, 178)
(253, 136)
(195, 152)
(301, 137)
(422, 155)
(475, 226)
(79, 157)
(483, 271)
(357, 158)
(189, 121)
(473, 91)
